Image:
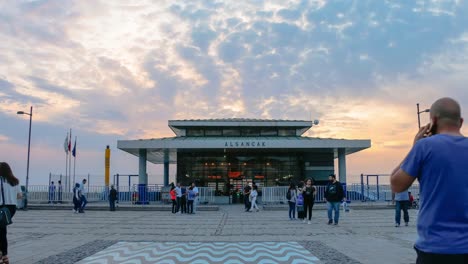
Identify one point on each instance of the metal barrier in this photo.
(152, 193)
(354, 192)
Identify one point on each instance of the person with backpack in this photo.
(76, 198)
(334, 195)
(291, 196)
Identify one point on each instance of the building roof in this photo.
(179, 125)
(159, 150)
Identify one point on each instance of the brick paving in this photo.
(59, 236)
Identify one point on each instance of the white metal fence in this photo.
(131, 194)
(354, 192)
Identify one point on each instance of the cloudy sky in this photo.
(120, 69)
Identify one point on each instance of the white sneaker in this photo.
(303, 221)
(308, 223)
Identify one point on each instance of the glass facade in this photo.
(240, 132)
(228, 171)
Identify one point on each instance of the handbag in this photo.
(5, 215)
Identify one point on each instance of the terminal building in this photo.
(227, 154)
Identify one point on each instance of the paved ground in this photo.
(225, 236)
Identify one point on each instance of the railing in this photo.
(150, 193)
(354, 192)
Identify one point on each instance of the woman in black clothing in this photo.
(11, 192)
(308, 192)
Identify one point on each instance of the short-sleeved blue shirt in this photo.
(440, 163)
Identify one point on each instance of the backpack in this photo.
(300, 199)
(288, 195)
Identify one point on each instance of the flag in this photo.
(69, 142)
(65, 144)
(74, 149)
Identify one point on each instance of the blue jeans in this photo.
(292, 209)
(84, 202)
(401, 205)
(333, 206)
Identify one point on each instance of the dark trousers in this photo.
(174, 206)
(59, 197)
(190, 206)
(401, 205)
(112, 204)
(179, 200)
(76, 204)
(183, 204)
(292, 209)
(308, 208)
(247, 203)
(3, 232)
(432, 258)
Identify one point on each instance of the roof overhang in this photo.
(165, 149)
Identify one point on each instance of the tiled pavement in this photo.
(225, 236)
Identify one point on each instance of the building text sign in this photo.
(244, 144)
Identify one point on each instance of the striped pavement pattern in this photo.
(201, 252)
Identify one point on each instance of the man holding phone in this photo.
(439, 160)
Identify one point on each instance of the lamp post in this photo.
(419, 112)
(29, 145)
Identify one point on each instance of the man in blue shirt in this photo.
(439, 160)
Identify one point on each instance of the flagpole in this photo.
(66, 158)
(69, 150)
(74, 160)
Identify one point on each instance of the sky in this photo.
(112, 70)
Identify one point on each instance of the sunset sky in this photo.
(115, 70)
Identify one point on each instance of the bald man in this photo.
(439, 160)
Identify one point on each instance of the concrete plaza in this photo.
(229, 235)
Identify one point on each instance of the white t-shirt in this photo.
(10, 193)
(195, 190)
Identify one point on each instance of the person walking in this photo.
(334, 195)
(84, 201)
(112, 198)
(438, 159)
(308, 192)
(253, 198)
(291, 196)
(401, 201)
(247, 204)
(52, 192)
(76, 198)
(178, 191)
(11, 192)
(173, 195)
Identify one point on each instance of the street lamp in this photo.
(29, 145)
(419, 112)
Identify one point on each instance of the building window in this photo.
(269, 132)
(213, 132)
(195, 132)
(287, 132)
(231, 132)
(250, 132)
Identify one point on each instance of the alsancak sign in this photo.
(240, 144)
